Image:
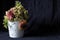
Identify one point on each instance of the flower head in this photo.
(17, 13)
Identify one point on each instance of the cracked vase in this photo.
(14, 31)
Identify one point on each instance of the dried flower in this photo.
(16, 13)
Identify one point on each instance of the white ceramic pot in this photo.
(14, 31)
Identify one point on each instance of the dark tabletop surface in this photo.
(5, 36)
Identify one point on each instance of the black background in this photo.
(44, 15)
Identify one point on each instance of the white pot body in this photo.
(14, 31)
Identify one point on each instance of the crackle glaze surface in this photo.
(14, 31)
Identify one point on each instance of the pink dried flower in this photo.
(22, 23)
(9, 14)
